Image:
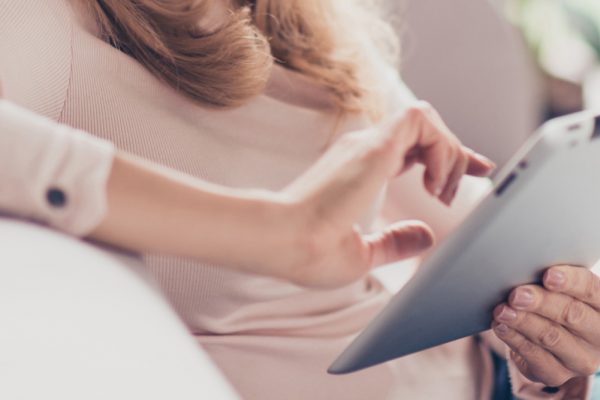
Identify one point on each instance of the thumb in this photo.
(399, 241)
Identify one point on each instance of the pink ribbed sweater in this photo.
(273, 340)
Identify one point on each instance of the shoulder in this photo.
(35, 53)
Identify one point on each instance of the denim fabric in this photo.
(596, 387)
(502, 389)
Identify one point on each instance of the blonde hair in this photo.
(228, 65)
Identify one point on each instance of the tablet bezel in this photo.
(556, 146)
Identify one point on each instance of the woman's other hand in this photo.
(339, 189)
(553, 331)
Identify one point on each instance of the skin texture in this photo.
(553, 330)
(306, 233)
(340, 187)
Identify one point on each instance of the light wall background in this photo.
(472, 65)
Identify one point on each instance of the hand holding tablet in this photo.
(552, 330)
(543, 211)
(341, 187)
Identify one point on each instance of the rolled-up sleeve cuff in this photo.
(52, 173)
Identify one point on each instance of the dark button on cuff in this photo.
(56, 197)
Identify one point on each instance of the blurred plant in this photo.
(564, 34)
(585, 16)
(565, 38)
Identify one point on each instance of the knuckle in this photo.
(415, 111)
(510, 336)
(555, 380)
(574, 312)
(551, 337)
(386, 143)
(588, 367)
(453, 151)
(592, 288)
(520, 362)
(419, 110)
(527, 349)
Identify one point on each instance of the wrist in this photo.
(304, 243)
(259, 232)
(281, 242)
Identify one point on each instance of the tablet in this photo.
(544, 210)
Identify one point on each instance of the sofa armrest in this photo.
(78, 322)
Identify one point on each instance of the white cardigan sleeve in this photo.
(48, 172)
(51, 173)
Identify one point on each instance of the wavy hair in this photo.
(227, 63)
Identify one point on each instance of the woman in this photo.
(273, 282)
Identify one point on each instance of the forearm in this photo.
(134, 204)
(153, 209)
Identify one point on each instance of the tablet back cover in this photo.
(544, 211)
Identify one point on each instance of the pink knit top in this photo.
(273, 340)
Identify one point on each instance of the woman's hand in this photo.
(306, 233)
(340, 188)
(553, 331)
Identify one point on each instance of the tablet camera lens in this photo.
(523, 164)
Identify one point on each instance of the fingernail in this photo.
(426, 239)
(501, 329)
(447, 200)
(555, 279)
(485, 160)
(452, 196)
(523, 298)
(507, 315)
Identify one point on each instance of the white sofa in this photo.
(77, 322)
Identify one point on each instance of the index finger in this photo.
(478, 165)
(577, 282)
